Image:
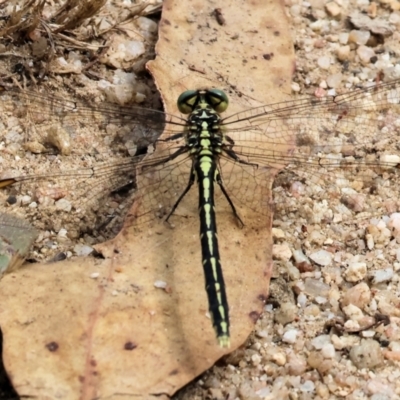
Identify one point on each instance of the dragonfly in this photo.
(347, 143)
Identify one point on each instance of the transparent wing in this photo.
(38, 120)
(347, 145)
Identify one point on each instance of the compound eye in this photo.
(187, 100)
(218, 100)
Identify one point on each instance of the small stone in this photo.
(359, 295)
(334, 80)
(160, 284)
(343, 37)
(290, 336)
(301, 300)
(314, 287)
(333, 9)
(344, 342)
(394, 223)
(255, 359)
(63, 205)
(82, 250)
(328, 350)
(296, 365)
(279, 358)
(387, 161)
(25, 200)
(316, 237)
(377, 26)
(62, 234)
(359, 37)
(321, 257)
(382, 275)
(94, 275)
(355, 272)
(296, 88)
(367, 355)
(365, 53)
(301, 260)
(343, 53)
(312, 310)
(281, 252)
(320, 341)
(353, 312)
(307, 387)
(324, 62)
(278, 233)
(315, 359)
(286, 313)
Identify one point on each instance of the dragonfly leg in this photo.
(189, 185)
(221, 185)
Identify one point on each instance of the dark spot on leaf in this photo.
(254, 315)
(130, 346)
(262, 298)
(268, 56)
(52, 346)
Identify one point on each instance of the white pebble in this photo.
(25, 200)
(320, 341)
(82, 250)
(389, 160)
(321, 257)
(365, 53)
(295, 87)
(63, 205)
(290, 336)
(160, 284)
(328, 351)
(307, 387)
(382, 275)
(394, 222)
(301, 300)
(255, 359)
(343, 37)
(95, 275)
(324, 62)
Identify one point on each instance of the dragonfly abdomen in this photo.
(207, 174)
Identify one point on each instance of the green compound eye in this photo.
(218, 99)
(187, 100)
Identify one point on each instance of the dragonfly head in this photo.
(189, 100)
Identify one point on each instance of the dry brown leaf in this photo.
(99, 328)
